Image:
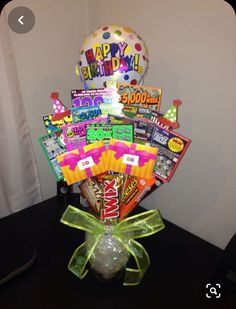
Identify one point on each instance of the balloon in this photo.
(115, 53)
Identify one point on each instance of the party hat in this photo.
(58, 107)
(170, 118)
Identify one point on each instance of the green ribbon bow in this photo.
(137, 226)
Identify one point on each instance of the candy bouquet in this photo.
(116, 154)
(116, 145)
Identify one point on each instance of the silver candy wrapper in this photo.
(109, 257)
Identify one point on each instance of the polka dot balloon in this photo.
(115, 53)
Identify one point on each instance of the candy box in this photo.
(131, 158)
(82, 163)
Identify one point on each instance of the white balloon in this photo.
(114, 53)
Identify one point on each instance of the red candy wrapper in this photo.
(111, 186)
(134, 190)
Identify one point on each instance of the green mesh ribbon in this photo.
(137, 226)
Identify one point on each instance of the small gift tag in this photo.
(130, 159)
(85, 163)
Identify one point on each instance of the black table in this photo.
(180, 262)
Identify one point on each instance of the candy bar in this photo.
(96, 186)
(88, 193)
(111, 185)
(135, 190)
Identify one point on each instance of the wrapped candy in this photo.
(134, 190)
(111, 198)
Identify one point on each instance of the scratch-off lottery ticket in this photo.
(140, 95)
(171, 148)
(80, 114)
(52, 147)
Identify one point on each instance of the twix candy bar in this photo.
(111, 198)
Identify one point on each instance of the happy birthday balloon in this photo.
(113, 53)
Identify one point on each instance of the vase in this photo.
(109, 258)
